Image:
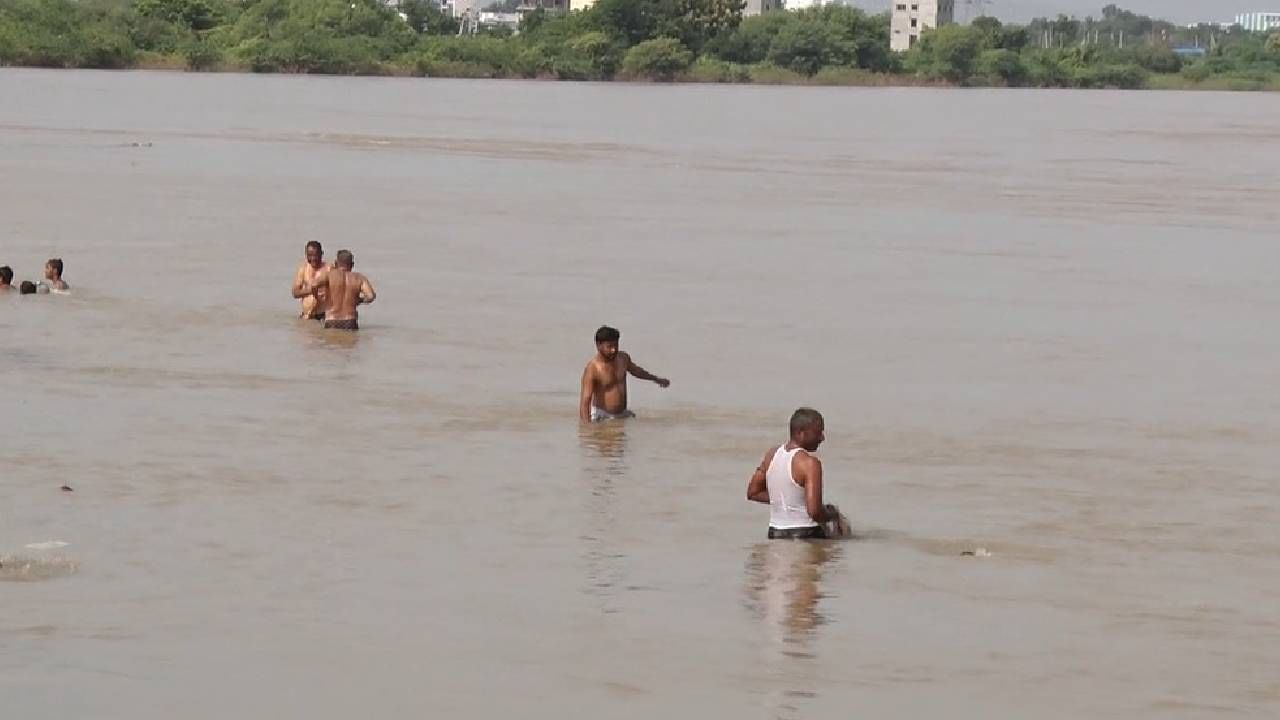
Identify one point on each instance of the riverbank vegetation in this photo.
(652, 40)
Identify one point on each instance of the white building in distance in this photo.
(802, 4)
(753, 7)
(911, 17)
(1259, 21)
(759, 7)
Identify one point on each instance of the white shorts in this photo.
(598, 415)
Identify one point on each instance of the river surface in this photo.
(1041, 324)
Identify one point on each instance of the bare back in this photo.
(345, 287)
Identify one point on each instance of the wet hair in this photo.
(805, 418)
(27, 288)
(6, 274)
(345, 258)
(315, 244)
(56, 264)
(607, 334)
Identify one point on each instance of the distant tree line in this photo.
(695, 40)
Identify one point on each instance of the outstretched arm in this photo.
(757, 487)
(643, 374)
(584, 398)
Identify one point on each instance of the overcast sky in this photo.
(1179, 11)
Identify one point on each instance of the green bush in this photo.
(189, 14)
(770, 74)
(313, 52)
(11, 46)
(660, 59)
(1045, 70)
(710, 70)
(496, 54)
(534, 62)
(568, 66)
(1122, 77)
(946, 53)
(1197, 72)
(844, 77)
(809, 45)
(749, 43)
(1001, 67)
(592, 55)
(600, 53)
(105, 46)
(865, 38)
(1156, 59)
(201, 55)
(434, 67)
(158, 35)
(703, 40)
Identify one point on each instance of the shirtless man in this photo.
(313, 304)
(346, 289)
(789, 479)
(6, 278)
(604, 380)
(53, 273)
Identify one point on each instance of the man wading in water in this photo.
(604, 380)
(346, 289)
(789, 479)
(313, 303)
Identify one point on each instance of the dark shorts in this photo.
(341, 324)
(804, 533)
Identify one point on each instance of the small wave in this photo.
(19, 568)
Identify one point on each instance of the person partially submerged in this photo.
(789, 479)
(313, 303)
(53, 274)
(6, 278)
(604, 380)
(346, 290)
(27, 288)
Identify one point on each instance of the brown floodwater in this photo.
(1039, 324)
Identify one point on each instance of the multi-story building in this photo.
(1259, 21)
(759, 7)
(551, 6)
(912, 17)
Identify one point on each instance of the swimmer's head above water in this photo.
(315, 254)
(345, 260)
(607, 342)
(808, 429)
(27, 288)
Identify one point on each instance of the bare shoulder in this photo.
(805, 460)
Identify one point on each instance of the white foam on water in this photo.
(48, 545)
